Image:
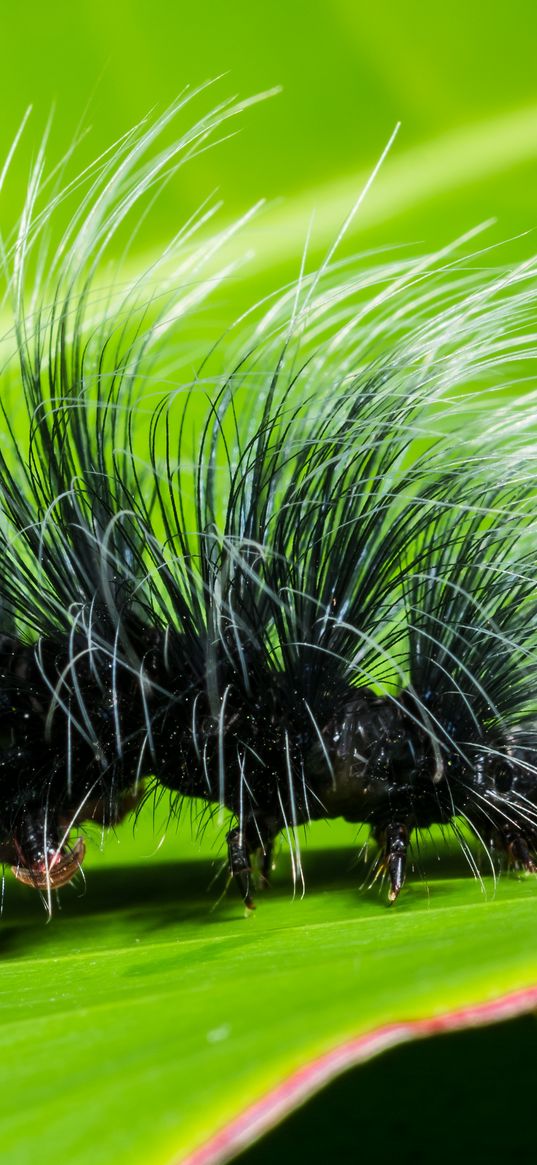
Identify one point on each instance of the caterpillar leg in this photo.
(394, 839)
(246, 854)
(518, 851)
(44, 861)
(240, 865)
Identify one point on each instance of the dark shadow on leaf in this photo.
(152, 897)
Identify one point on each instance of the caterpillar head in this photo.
(52, 869)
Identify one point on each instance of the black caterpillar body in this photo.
(298, 583)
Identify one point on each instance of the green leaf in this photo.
(150, 1013)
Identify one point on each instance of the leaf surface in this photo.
(148, 1016)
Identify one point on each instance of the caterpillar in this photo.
(291, 572)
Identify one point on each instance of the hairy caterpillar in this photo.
(297, 580)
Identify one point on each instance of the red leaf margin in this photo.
(266, 1112)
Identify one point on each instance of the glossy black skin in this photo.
(369, 759)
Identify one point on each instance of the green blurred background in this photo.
(461, 79)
